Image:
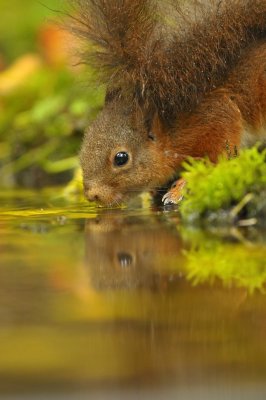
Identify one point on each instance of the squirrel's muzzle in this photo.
(93, 194)
(103, 195)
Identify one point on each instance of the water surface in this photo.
(127, 304)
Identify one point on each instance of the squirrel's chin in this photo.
(115, 202)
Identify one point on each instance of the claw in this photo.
(167, 199)
(174, 196)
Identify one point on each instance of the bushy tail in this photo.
(167, 59)
(118, 33)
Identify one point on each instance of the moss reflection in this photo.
(132, 252)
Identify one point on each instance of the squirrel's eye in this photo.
(125, 259)
(121, 158)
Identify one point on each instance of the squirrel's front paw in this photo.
(174, 195)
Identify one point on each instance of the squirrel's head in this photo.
(122, 156)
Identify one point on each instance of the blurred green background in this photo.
(20, 22)
(45, 100)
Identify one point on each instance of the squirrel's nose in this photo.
(92, 195)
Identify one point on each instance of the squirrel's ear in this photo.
(156, 130)
(150, 120)
(151, 136)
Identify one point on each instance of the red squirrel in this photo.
(183, 78)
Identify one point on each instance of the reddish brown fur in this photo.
(197, 87)
(168, 62)
(218, 123)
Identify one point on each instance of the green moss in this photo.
(41, 127)
(231, 189)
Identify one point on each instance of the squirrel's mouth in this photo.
(114, 201)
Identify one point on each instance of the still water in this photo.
(127, 304)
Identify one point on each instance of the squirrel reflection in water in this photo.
(124, 252)
(128, 252)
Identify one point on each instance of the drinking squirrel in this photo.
(184, 78)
